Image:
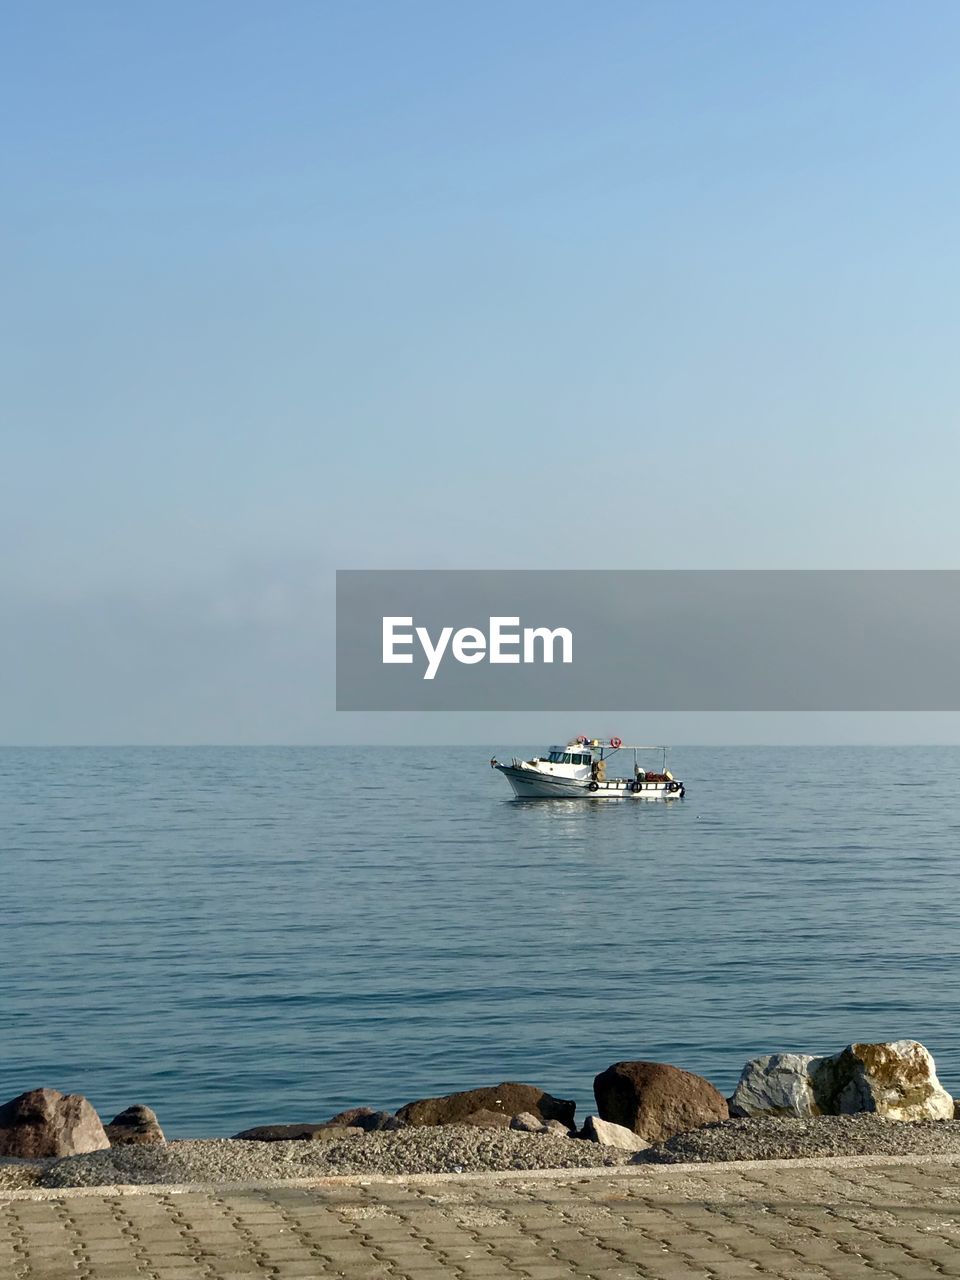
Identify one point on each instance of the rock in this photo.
(557, 1129)
(298, 1133)
(527, 1122)
(484, 1119)
(45, 1122)
(278, 1133)
(778, 1084)
(507, 1098)
(896, 1080)
(655, 1100)
(136, 1127)
(367, 1119)
(612, 1135)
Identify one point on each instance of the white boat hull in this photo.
(530, 784)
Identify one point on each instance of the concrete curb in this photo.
(653, 1172)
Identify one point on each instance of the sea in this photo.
(239, 936)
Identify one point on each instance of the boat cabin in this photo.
(563, 755)
(574, 760)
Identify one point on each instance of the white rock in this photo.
(612, 1135)
(896, 1080)
(557, 1128)
(776, 1084)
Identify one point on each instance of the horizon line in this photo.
(313, 746)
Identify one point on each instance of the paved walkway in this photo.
(824, 1220)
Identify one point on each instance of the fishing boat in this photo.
(579, 770)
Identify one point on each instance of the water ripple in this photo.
(243, 935)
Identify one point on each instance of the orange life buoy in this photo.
(616, 742)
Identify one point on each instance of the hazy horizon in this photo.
(949, 736)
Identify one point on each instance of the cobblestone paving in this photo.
(721, 1223)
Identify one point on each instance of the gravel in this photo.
(446, 1149)
(792, 1138)
(18, 1175)
(466, 1149)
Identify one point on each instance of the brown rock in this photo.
(298, 1133)
(45, 1122)
(278, 1133)
(508, 1099)
(136, 1127)
(655, 1100)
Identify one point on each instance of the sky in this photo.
(310, 286)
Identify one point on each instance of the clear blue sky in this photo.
(303, 286)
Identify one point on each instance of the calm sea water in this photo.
(236, 936)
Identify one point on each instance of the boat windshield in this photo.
(567, 757)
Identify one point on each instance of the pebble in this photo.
(19, 1175)
(793, 1138)
(443, 1149)
(466, 1149)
